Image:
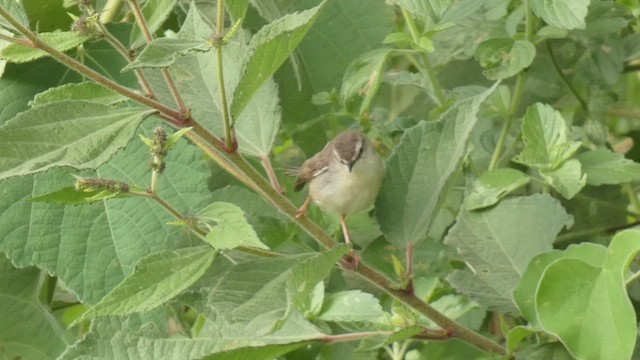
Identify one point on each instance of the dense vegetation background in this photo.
(146, 211)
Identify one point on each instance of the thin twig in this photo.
(564, 78)
(266, 164)
(168, 79)
(122, 50)
(229, 134)
(86, 71)
(13, 40)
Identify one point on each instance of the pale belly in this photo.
(348, 191)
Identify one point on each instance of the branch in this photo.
(168, 79)
(86, 71)
(258, 183)
(229, 134)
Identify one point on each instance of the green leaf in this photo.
(196, 79)
(515, 337)
(428, 11)
(71, 196)
(15, 9)
(502, 58)
(61, 41)
(237, 9)
(155, 13)
(19, 85)
(271, 46)
(350, 306)
(253, 298)
(70, 133)
(568, 179)
(420, 168)
(544, 132)
(563, 14)
(157, 278)
(498, 243)
(266, 352)
(30, 331)
(229, 227)
(524, 293)
(106, 238)
(88, 91)
(607, 167)
(492, 186)
(163, 52)
(362, 79)
(591, 314)
(398, 38)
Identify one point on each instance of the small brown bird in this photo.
(344, 177)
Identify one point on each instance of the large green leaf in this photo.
(103, 241)
(524, 293)
(546, 138)
(155, 13)
(29, 330)
(350, 306)
(253, 298)
(15, 9)
(196, 78)
(70, 133)
(88, 91)
(607, 167)
(568, 179)
(586, 305)
(21, 82)
(157, 278)
(420, 168)
(126, 338)
(61, 41)
(563, 14)
(270, 48)
(498, 243)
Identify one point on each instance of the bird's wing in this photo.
(309, 170)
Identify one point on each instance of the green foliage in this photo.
(132, 230)
(61, 41)
(156, 279)
(74, 133)
(592, 305)
(411, 191)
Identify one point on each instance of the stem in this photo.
(193, 227)
(431, 76)
(564, 78)
(229, 135)
(168, 79)
(625, 113)
(266, 164)
(258, 183)
(110, 10)
(236, 165)
(13, 40)
(516, 98)
(632, 278)
(86, 71)
(409, 275)
(142, 80)
(506, 127)
(633, 197)
(456, 329)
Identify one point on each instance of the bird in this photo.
(344, 177)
